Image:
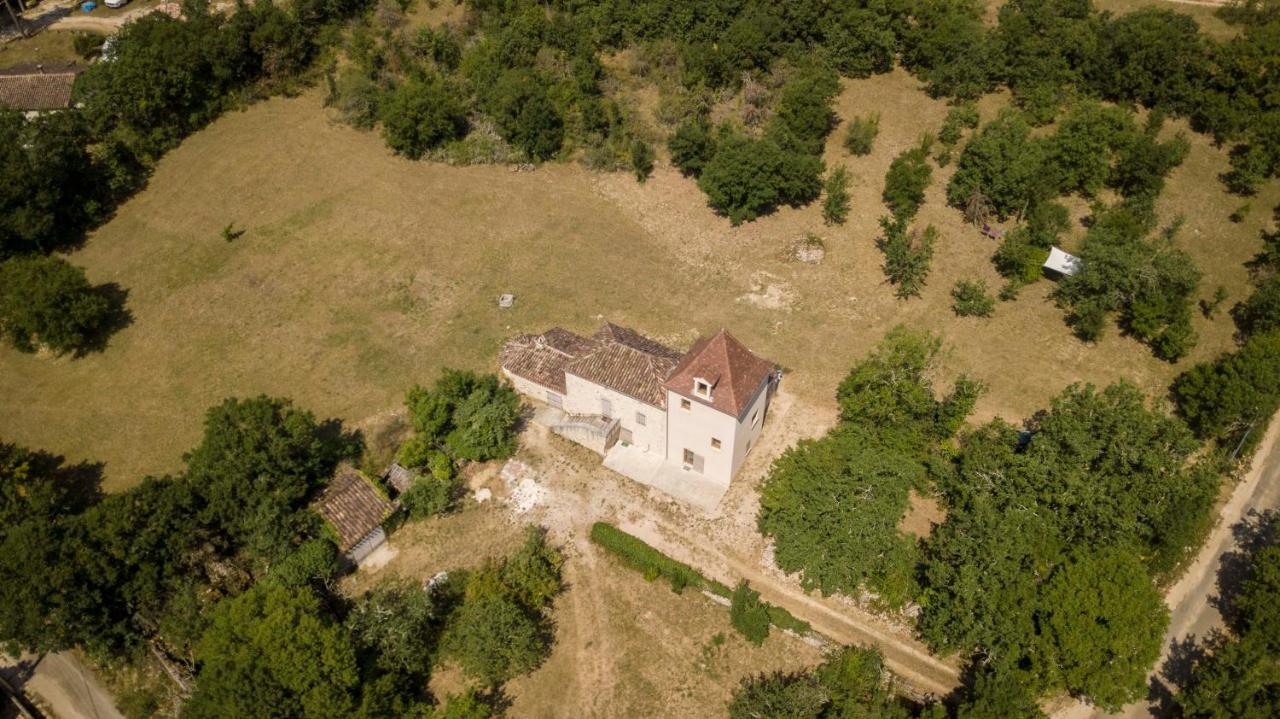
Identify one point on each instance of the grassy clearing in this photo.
(360, 273)
(48, 47)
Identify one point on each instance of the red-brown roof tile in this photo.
(734, 372)
(541, 358)
(32, 89)
(352, 506)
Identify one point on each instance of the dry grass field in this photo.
(360, 273)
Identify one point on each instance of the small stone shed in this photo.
(355, 509)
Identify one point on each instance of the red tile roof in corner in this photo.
(734, 371)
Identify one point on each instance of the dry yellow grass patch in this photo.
(361, 273)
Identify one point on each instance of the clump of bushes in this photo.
(635, 553)
(748, 614)
(969, 298)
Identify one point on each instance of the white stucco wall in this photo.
(694, 429)
(583, 397)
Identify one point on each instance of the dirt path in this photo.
(61, 686)
(1190, 600)
(725, 544)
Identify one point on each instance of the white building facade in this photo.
(701, 411)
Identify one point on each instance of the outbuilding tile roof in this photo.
(352, 506)
(30, 88)
(734, 372)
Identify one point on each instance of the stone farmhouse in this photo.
(675, 420)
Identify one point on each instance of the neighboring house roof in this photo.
(1064, 263)
(35, 87)
(541, 358)
(624, 368)
(352, 506)
(733, 371)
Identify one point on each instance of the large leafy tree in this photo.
(273, 647)
(1003, 164)
(46, 301)
(421, 114)
(256, 467)
(1102, 624)
(749, 177)
(1234, 394)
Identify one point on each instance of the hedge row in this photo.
(633, 552)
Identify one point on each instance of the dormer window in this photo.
(702, 388)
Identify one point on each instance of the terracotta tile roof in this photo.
(623, 367)
(541, 358)
(352, 506)
(629, 337)
(31, 89)
(735, 373)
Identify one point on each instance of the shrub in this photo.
(429, 496)
(641, 159)
(1002, 163)
(971, 299)
(959, 118)
(908, 177)
(635, 553)
(861, 134)
(748, 614)
(692, 146)
(419, 115)
(1237, 215)
(835, 208)
(87, 44)
(46, 301)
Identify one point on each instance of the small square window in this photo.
(702, 388)
(688, 456)
(685, 405)
(640, 420)
(715, 443)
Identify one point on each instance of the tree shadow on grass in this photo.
(117, 318)
(79, 485)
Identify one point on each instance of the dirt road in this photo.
(1193, 613)
(61, 686)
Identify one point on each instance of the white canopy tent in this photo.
(1063, 263)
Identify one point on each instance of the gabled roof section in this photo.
(630, 338)
(734, 371)
(32, 87)
(623, 368)
(352, 506)
(541, 358)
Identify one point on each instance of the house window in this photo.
(755, 418)
(715, 443)
(688, 456)
(640, 420)
(702, 388)
(685, 404)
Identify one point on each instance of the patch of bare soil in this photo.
(923, 514)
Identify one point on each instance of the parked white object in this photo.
(1063, 263)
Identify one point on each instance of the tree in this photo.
(1003, 163)
(525, 114)
(493, 638)
(395, 627)
(749, 177)
(692, 146)
(904, 184)
(420, 114)
(907, 254)
(1002, 695)
(1257, 614)
(748, 615)
(861, 40)
(835, 208)
(256, 467)
(1079, 153)
(641, 159)
(804, 113)
(851, 683)
(1102, 623)
(1154, 56)
(274, 647)
(948, 47)
(1234, 680)
(47, 302)
(1233, 394)
(1260, 312)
